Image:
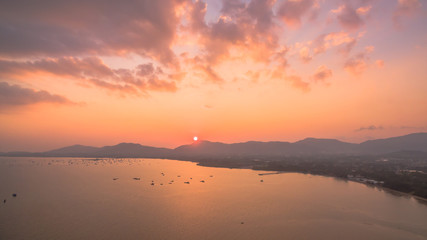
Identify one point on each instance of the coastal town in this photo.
(405, 172)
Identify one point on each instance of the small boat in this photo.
(187, 182)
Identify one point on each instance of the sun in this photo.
(195, 138)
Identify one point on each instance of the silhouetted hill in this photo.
(307, 147)
(234, 149)
(410, 142)
(313, 146)
(72, 151)
(203, 148)
(119, 150)
(132, 150)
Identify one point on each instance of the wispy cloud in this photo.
(322, 74)
(351, 14)
(405, 8)
(297, 82)
(15, 95)
(369, 128)
(379, 63)
(82, 27)
(358, 63)
(292, 11)
(94, 71)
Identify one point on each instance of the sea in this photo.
(83, 198)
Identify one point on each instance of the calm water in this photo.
(65, 198)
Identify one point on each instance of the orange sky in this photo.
(160, 72)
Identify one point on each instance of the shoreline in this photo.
(379, 187)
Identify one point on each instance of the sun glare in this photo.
(195, 138)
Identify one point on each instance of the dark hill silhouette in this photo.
(234, 149)
(72, 151)
(132, 150)
(411, 142)
(119, 150)
(313, 146)
(306, 147)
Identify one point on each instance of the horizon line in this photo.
(204, 140)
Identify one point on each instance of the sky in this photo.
(159, 73)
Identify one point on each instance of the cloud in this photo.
(369, 128)
(357, 64)
(405, 8)
(197, 16)
(64, 28)
(292, 11)
(343, 40)
(350, 18)
(232, 7)
(15, 95)
(253, 76)
(304, 54)
(261, 11)
(65, 66)
(380, 63)
(121, 88)
(211, 75)
(156, 84)
(279, 73)
(144, 70)
(364, 10)
(92, 70)
(247, 28)
(298, 83)
(350, 14)
(242, 31)
(175, 38)
(322, 73)
(227, 31)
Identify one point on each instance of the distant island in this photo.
(397, 163)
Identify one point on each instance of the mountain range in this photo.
(306, 147)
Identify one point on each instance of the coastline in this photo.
(381, 188)
(273, 172)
